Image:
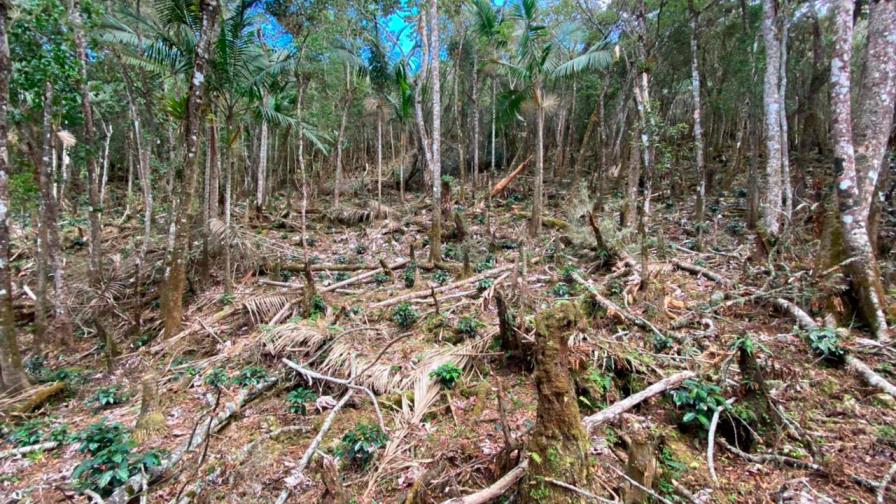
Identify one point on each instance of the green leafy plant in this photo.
(251, 376)
(468, 327)
(112, 461)
(825, 344)
(216, 378)
(298, 398)
(409, 275)
(449, 251)
(285, 275)
(603, 381)
(340, 276)
(318, 307)
(698, 400)
(447, 375)
(560, 290)
(28, 433)
(226, 299)
(341, 259)
(441, 277)
(485, 284)
(404, 315)
(747, 344)
(110, 396)
(36, 366)
(361, 249)
(567, 272)
(380, 278)
(485, 264)
(358, 446)
(61, 434)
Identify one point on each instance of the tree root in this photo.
(497, 488)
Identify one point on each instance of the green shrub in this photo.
(340, 276)
(404, 315)
(447, 375)
(28, 433)
(61, 434)
(226, 299)
(318, 307)
(251, 376)
(359, 445)
(297, 398)
(361, 249)
(468, 327)
(567, 272)
(825, 344)
(409, 275)
(216, 378)
(698, 400)
(485, 284)
(441, 277)
(111, 461)
(486, 264)
(110, 396)
(560, 290)
(380, 278)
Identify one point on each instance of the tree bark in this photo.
(12, 374)
(858, 159)
(96, 208)
(172, 295)
(538, 189)
(700, 209)
(772, 105)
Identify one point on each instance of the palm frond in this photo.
(592, 60)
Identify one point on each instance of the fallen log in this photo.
(453, 285)
(134, 485)
(700, 271)
(613, 307)
(504, 182)
(497, 488)
(619, 407)
(852, 362)
(13, 452)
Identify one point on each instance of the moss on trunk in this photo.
(559, 444)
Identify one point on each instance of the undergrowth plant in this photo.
(825, 344)
(409, 275)
(698, 400)
(110, 396)
(112, 460)
(468, 327)
(447, 375)
(405, 315)
(216, 378)
(441, 277)
(28, 433)
(359, 445)
(298, 398)
(251, 376)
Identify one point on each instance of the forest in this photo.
(456, 251)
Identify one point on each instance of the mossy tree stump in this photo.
(559, 445)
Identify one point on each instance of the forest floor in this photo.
(451, 439)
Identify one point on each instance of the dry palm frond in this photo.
(381, 211)
(262, 308)
(349, 216)
(295, 337)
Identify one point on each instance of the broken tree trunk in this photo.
(558, 447)
(504, 182)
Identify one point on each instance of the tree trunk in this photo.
(858, 160)
(339, 139)
(700, 209)
(538, 189)
(772, 105)
(787, 185)
(12, 374)
(262, 171)
(379, 155)
(435, 240)
(96, 209)
(49, 221)
(475, 141)
(172, 295)
(558, 447)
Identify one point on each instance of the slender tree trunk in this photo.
(96, 209)
(228, 202)
(698, 125)
(261, 173)
(49, 212)
(858, 159)
(12, 374)
(538, 189)
(379, 155)
(172, 299)
(772, 104)
(475, 141)
(339, 139)
(787, 185)
(435, 239)
(494, 96)
(107, 130)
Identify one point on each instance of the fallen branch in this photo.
(613, 307)
(13, 452)
(451, 286)
(497, 488)
(504, 182)
(701, 272)
(364, 276)
(577, 490)
(852, 362)
(298, 474)
(884, 483)
(792, 462)
(642, 487)
(347, 383)
(131, 487)
(619, 407)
